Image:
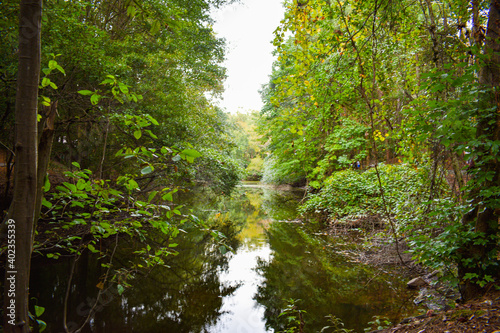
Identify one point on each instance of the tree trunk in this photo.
(21, 215)
(486, 174)
(44, 149)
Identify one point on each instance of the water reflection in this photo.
(204, 289)
(184, 297)
(306, 268)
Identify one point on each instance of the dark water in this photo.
(205, 289)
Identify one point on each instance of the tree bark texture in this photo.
(22, 210)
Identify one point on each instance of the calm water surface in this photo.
(275, 259)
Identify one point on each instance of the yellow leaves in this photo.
(378, 136)
(299, 129)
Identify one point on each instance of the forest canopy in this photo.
(126, 74)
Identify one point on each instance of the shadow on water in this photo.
(205, 289)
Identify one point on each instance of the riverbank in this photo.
(479, 315)
(377, 249)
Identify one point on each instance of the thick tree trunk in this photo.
(486, 175)
(22, 211)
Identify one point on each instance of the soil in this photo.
(479, 315)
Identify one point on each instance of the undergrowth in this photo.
(353, 192)
(423, 212)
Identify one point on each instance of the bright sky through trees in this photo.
(248, 27)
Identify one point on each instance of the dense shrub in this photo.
(351, 192)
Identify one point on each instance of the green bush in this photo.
(352, 192)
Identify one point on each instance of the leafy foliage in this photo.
(132, 83)
(164, 59)
(406, 82)
(351, 192)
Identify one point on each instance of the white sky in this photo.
(248, 29)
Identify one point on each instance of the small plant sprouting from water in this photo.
(294, 317)
(295, 320)
(336, 326)
(378, 323)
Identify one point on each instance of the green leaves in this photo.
(131, 10)
(47, 82)
(54, 65)
(118, 91)
(351, 192)
(85, 92)
(189, 155)
(95, 97)
(155, 27)
(92, 248)
(39, 310)
(123, 88)
(147, 170)
(120, 289)
(46, 184)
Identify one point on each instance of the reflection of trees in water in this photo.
(281, 205)
(304, 267)
(185, 296)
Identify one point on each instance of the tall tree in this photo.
(479, 256)
(22, 210)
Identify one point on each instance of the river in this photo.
(276, 261)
